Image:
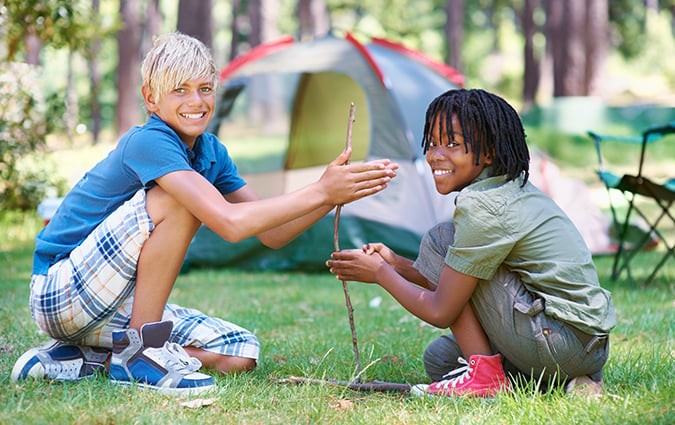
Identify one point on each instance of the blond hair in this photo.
(174, 59)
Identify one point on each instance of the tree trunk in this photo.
(554, 51)
(597, 33)
(454, 33)
(652, 5)
(554, 42)
(152, 23)
(94, 80)
(532, 63)
(234, 44)
(565, 29)
(255, 18)
(263, 16)
(128, 111)
(72, 110)
(573, 69)
(33, 46)
(313, 19)
(194, 18)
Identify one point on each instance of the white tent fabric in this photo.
(575, 199)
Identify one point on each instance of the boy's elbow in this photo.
(271, 242)
(441, 321)
(275, 246)
(229, 231)
(440, 324)
(232, 236)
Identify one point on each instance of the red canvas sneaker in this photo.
(482, 376)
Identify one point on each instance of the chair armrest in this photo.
(604, 137)
(599, 138)
(655, 133)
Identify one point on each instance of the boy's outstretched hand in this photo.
(344, 183)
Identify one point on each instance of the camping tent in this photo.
(291, 99)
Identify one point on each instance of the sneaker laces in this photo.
(62, 370)
(178, 359)
(464, 370)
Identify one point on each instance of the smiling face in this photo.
(187, 109)
(453, 163)
(179, 84)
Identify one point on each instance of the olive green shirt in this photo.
(498, 222)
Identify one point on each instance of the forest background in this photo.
(70, 82)
(70, 69)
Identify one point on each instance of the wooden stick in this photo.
(336, 243)
(356, 386)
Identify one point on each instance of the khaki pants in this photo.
(531, 343)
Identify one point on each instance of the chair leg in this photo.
(619, 231)
(622, 257)
(625, 254)
(659, 265)
(665, 212)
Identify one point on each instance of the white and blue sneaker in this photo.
(60, 361)
(150, 361)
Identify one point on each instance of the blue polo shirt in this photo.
(142, 155)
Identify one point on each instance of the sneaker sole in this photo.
(419, 390)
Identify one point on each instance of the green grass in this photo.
(302, 323)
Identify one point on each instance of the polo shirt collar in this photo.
(202, 156)
(205, 154)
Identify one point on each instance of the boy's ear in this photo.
(149, 99)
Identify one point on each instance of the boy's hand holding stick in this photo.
(356, 384)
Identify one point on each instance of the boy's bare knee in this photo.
(230, 364)
(221, 362)
(160, 205)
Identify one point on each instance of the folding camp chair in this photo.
(643, 195)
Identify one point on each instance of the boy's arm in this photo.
(439, 308)
(234, 222)
(405, 268)
(402, 265)
(281, 235)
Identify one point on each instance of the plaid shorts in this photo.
(88, 295)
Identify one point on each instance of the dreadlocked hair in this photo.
(489, 125)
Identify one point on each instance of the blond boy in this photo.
(106, 263)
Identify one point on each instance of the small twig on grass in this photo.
(380, 386)
(336, 243)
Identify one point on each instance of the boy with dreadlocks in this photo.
(510, 275)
